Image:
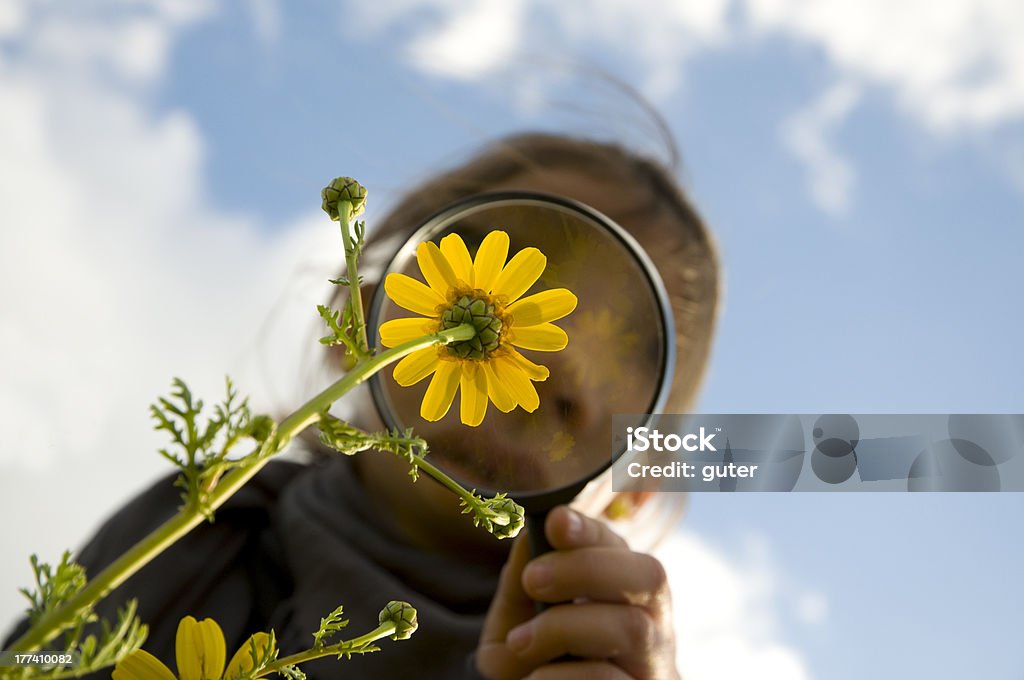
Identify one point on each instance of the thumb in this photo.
(510, 607)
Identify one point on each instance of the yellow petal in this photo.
(545, 337)
(549, 305)
(496, 390)
(397, 331)
(416, 366)
(533, 371)
(455, 251)
(241, 662)
(473, 404)
(439, 274)
(517, 383)
(441, 390)
(141, 665)
(521, 272)
(490, 258)
(199, 649)
(410, 294)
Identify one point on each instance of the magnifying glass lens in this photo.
(618, 359)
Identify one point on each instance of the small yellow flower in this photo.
(487, 292)
(200, 652)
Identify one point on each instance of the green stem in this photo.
(355, 296)
(189, 517)
(471, 499)
(347, 646)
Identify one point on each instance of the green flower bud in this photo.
(482, 315)
(403, 615)
(504, 505)
(343, 189)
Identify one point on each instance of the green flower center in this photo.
(485, 319)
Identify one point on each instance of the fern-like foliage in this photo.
(350, 440)
(330, 625)
(113, 644)
(342, 325)
(261, 653)
(499, 515)
(103, 646)
(201, 446)
(54, 585)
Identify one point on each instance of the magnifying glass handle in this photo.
(538, 546)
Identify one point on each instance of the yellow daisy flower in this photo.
(487, 292)
(200, 652)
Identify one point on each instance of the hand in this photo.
(611, 610)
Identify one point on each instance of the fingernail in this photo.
(574, 526)
(519, 637)
(538, 575)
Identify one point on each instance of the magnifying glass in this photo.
(619, 360)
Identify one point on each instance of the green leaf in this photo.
(201, 445)
(330, 625)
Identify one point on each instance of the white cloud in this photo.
(130, 40)
(473, 42)
(952, 64)
(727, 615)
(481, 39)
(830, 176)
(117, 275)
(12, 17)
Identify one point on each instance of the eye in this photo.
(569, 411)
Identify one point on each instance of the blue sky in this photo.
(861, 165)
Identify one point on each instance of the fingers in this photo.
(600, 574)
(511, 604)
(627, 636)
(574, 670)
(611, 613)
(567, 529)
(510, 607)
(591, 561)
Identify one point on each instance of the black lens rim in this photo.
(533, 501)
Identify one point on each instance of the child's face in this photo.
(611, 368)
